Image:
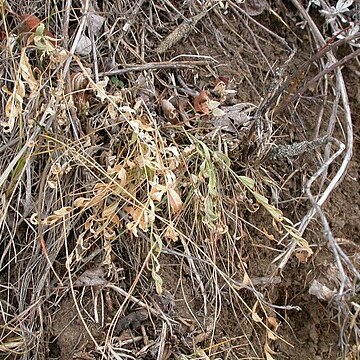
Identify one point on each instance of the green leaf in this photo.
(222, 157)
(261, 198)
(116, 81)
(212, 181)
(40, 30)
(18, 168)
(203, 169)
(158, 281)
(134, 137)
(205, 151)
(274, 212)
(297, 236)
(249, 183)
(210, 214)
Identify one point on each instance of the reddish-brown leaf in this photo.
(200, 103)
(29, 23)
(223, 79)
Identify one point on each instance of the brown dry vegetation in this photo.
(179, 179)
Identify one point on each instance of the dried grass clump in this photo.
(116, 164)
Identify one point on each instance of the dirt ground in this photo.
(225, 326)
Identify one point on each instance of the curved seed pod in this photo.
(179, 33)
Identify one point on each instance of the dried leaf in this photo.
(271, 335)
(30, 23)
(63, 211)
(109, 235)
(52, 184)
(268, 352)
(99, 89)
(122, 176)
(246, 279)
(120, 172)
(220, 88)
(157, 192)
(96, 22)
(52, 219)
(59, 56)
(81, 202)
(80, 248)
(58, 215)
(89, 223)
(26, 72)
(175, 201)
(214, 108)
(169, 111)
(91, 277)
(34, 219)
(43, 43)
(108, 249)
(115, 220)
(255, 7)
(132, 226)
(113, 107)
(212, 104)
(83, 46)
(273, 322)
(140, 217)
(138, 125)
(171, 234)
(200, 103)
(254, 314)
(13, 107)
(110, 210)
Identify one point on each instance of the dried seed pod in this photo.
(179, 33)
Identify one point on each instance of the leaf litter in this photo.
(128, 189)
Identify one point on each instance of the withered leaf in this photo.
(200, 103)
(255, 7)
(29, 23)
(169, 111)
(133, 320)
(175, 201)
(91, 277)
